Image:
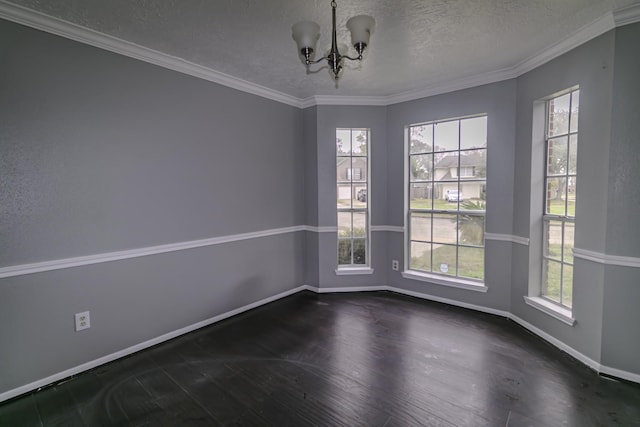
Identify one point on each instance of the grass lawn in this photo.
(556, 207)
(552, 279)
(470, 265)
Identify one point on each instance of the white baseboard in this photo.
(557, 343)
(629, 376)
(135, 348)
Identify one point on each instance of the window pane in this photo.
(359, 142)
(421, 167)
(446, 136)
(359, 169)
(444, 228)
(343, 141)
(559, 115)
(446, 167)
(551, 287)
(473, 196)
(360, 196)
(344, 195)
(553, 239)
(344, 224)
(575, 106)
(557, 156)
(476, 160)
(556, 196)
(471, 262)
(567, 286)
(471, 229)
(420, 256)
(444, 259)
(473, 132)
(344, 252)
(359, 251)
(421, 196)
(359, 224)
(421, 139)
(420, 227)
(571, 197)
(573, 154)
(569, 232)
(343, 169)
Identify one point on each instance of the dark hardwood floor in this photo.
(366, 359)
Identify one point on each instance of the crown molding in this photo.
(588, 32)
(627, 15)
(59, 27)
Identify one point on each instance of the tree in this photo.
(471, 227)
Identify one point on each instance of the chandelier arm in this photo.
(357, 58)
(324, 58)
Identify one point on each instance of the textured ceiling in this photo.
(416, 43)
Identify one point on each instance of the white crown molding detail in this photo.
(60, 27)
(391, 228)
(345, 100)
(617, 260)
(141, 346)
(627, 15)
(507, 238)
(588, 32)
(38, 267)
(40, 21)
(453, 85)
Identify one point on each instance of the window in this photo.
(560, 172)
(446, 209)
(352, 161)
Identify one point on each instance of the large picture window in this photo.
(446, 203)
(352, 178)
(561, 149)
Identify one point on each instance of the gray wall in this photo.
(620, 332)
(591, 67)
(100, 153)
(498, 102)
(328, 119)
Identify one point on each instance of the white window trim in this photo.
(552, 309)
(429, 277)
(438, 279)
(356, 269)
(349, 270)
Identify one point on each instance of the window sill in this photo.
(352, 271)
(445, 281)
(560, 313)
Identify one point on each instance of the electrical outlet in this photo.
(83, 321)
(395, 265)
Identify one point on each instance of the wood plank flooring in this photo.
(367, 359)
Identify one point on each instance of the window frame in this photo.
(432, 275)
(547, 217)
(352, 180)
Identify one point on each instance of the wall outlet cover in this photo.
(83, 321)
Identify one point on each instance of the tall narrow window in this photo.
(352, 167)
(561, 149)
(447, 173)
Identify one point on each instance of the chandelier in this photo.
(306, 35)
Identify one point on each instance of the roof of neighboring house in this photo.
(451, 160)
